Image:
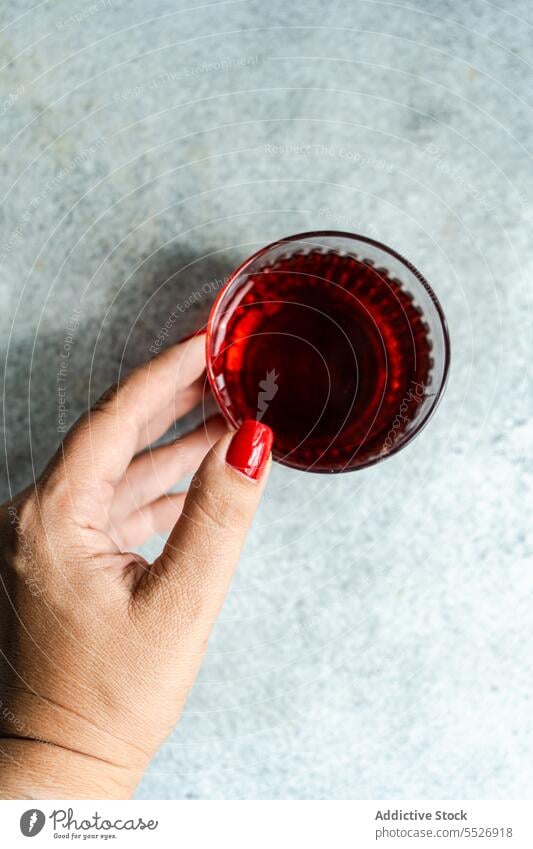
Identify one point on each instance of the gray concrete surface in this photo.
(377, 640)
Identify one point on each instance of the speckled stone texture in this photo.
(378, 638)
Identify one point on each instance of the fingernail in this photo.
(250, 448)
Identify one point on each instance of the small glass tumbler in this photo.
(336, 342)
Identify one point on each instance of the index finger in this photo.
(102, 443)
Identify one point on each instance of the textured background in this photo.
(377, 640)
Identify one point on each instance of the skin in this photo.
(98, 648)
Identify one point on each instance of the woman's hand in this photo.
(98, 648)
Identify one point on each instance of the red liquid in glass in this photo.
(330, 352)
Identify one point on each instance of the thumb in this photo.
(190, 578)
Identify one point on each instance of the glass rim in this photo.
(356, 237)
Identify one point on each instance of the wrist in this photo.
(30, 769)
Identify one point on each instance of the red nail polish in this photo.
(250, 448)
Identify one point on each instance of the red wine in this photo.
(330, 352)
